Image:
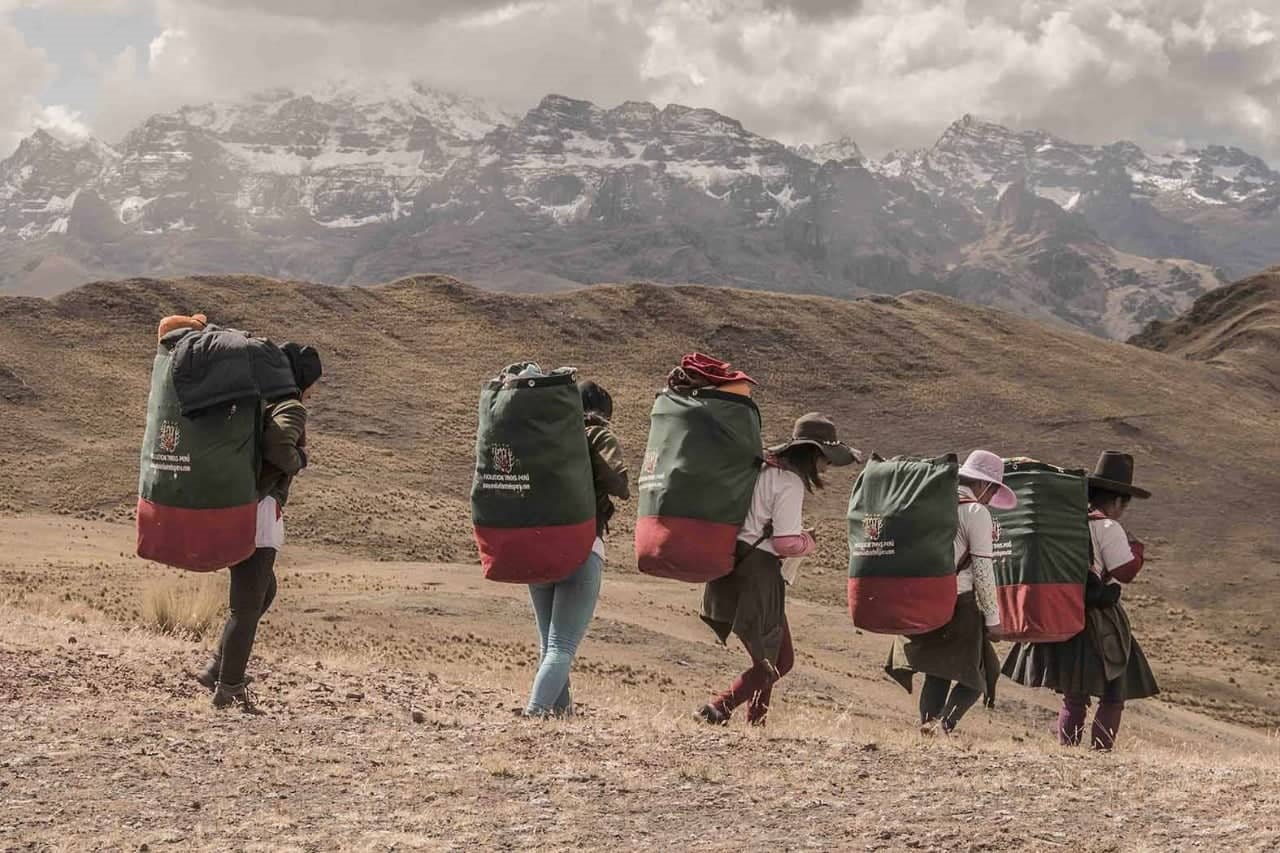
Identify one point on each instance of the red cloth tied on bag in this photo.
(698, 370)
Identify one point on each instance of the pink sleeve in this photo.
(1127, 572)
(789, 537)
(793, 546)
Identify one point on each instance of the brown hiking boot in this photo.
(229, 695)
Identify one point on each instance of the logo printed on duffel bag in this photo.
(165, 457)
(1000, 548)
(170, 435)
(503, 477)
(649, 478)
(873, 545)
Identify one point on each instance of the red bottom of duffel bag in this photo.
(904, 606)
(1041, 612)
(534, 554)
(198, 540)
(685, 549)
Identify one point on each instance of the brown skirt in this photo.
(958, 651)
(750, 601)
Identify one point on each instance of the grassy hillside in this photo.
(1236, 328)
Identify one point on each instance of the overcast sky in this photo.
(889, 73)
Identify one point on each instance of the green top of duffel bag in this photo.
(209, 461)
(703, 456)
(1045, 539)
(903, 518)
(533, 466)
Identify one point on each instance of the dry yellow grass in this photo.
(184, 608)
(104, 718)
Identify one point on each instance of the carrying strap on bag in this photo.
(967, 560)
(768, 534)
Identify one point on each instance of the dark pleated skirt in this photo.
(1075, 666)
(750, 602)
(958, 651)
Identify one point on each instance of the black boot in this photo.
(712, 715)
(238, 695)
(208, 677)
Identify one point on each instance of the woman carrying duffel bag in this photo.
(958, 660)
(750, 600)
(1103, 661)
(547, 468)
(564, 609)
(253, 581)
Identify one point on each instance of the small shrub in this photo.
(183, 608)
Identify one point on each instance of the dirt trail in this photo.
(105, 742)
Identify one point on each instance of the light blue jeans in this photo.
(563, 611)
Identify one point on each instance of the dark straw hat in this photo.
(1114, 473)
(819, 431)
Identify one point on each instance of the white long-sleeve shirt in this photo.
(778, 499)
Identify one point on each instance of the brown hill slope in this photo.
(1236, 328)
(392, 440)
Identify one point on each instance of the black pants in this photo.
(253, 588)
(940, 701)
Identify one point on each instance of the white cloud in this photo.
(24, 73)
(62, 121)
(890, 73)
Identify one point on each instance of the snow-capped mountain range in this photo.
(360, 186)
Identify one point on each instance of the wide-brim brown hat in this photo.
(1114, 472)
(818, 430)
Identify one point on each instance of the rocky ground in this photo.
(389, 690)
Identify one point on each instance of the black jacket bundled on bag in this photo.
(219, 365)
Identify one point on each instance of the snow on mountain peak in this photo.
(842, 150)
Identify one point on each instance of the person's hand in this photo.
(813, 533)
(302, 451)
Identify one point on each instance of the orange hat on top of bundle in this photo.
(180, 321)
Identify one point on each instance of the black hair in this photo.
(803, 460)
(1099, 497)
(974, 484)
(596, 399)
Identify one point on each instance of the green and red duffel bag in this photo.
(1042, 552)
(533, 499)
(699, 473)
(198, 473)
(903, 516)
(198, 482)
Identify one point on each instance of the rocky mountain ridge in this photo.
(346, 186)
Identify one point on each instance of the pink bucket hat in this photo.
(987, 467)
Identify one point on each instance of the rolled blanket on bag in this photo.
(700, 469)
(1042, 553)
(902, 528)
(533, 501)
